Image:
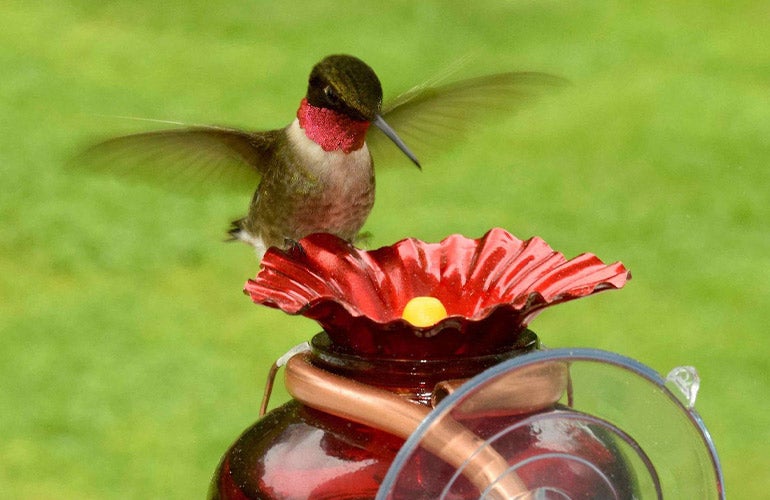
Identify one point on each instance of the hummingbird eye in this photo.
(331, 95)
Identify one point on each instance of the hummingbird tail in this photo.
(239, 233)
(236, 230)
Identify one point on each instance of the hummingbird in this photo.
(316, 174)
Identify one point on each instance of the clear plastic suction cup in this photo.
(561, 424)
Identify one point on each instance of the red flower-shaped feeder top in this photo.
(491, 288)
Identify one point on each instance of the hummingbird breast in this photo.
(309, 190)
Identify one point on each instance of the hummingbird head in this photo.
(347, 85)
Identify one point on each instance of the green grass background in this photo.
(130, 358)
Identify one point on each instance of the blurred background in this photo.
(131, 359)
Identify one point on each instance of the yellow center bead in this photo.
(424, 311)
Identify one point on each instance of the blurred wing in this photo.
(189, 160)
(430, 118)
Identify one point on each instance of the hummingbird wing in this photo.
(185, 160)
(431, 117)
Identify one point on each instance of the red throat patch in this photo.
(331, 130)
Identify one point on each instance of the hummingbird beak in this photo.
(380, 123)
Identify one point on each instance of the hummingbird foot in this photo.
(293, 246)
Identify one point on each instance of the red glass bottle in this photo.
(297, 452)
